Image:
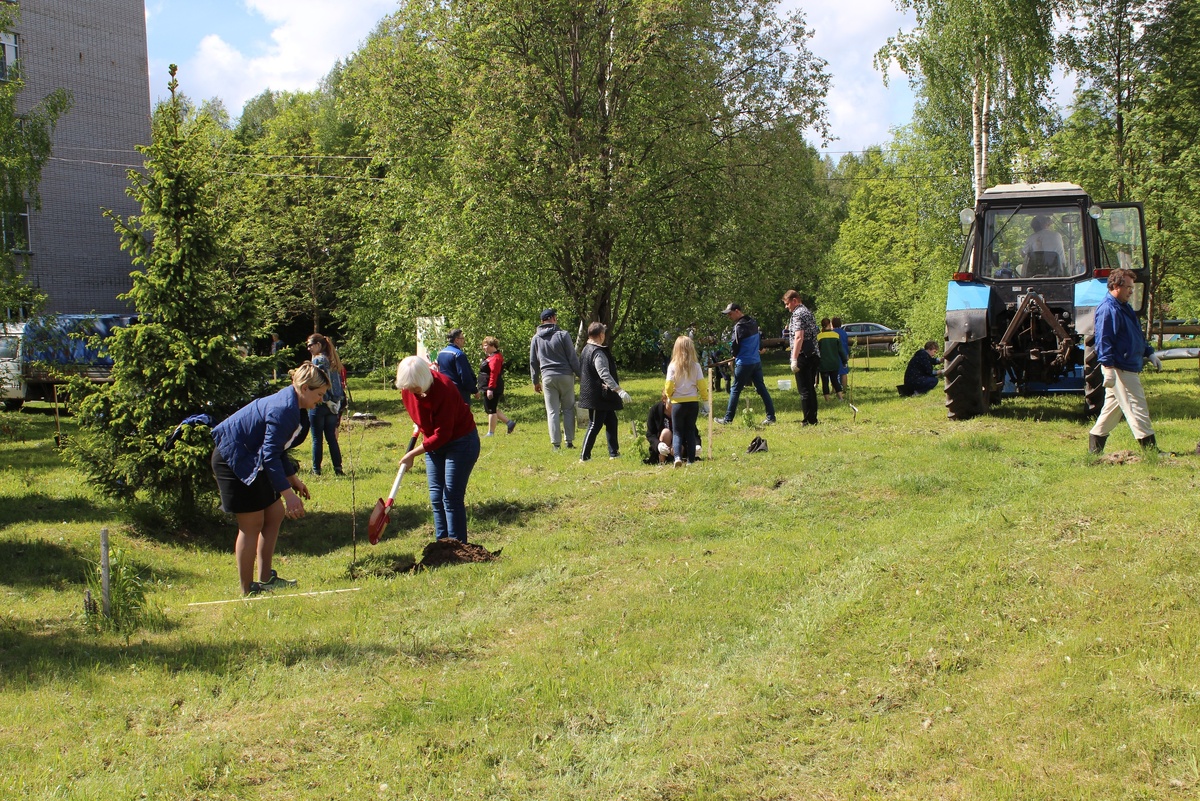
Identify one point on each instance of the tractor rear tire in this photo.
(965, 393)
(1093, 379)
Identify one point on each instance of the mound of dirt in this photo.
(1121, 457)
(453, 552)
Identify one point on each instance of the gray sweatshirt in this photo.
(551, 352)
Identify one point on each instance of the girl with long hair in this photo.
(686, 388)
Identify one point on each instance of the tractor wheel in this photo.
(1093, 379)
(965, 395)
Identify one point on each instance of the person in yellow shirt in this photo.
(829, 345)
(686, 389)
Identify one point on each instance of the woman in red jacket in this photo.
(491, 385)
(450, 442)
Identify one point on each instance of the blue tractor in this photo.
(1019, 311)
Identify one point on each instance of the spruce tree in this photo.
(181, 356)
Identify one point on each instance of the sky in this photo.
(234, 49)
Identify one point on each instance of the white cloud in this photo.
(847, 34)
(306, 38)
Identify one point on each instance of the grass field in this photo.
(892, 606)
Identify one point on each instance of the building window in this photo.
(8, 54)
(14, 229)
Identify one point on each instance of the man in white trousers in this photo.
(1121, 350)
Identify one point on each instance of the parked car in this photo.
(873, 336)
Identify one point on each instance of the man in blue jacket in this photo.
(1121, 349)
(747, 365)
(454, 364)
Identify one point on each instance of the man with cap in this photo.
(453, 363)
(553, 366)
(747, 365)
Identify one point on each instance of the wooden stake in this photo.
(57, 425)
(712, 410)
(105, 592)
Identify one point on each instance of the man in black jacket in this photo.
(920, 377)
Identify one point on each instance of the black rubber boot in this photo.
(1148, 443)
(1096, 444)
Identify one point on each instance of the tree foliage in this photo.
(983, 64)
(301, 183)
(180, 357)
(898, 244)
(603, 157)
(25, 146)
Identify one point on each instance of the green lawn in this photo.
(893, 606)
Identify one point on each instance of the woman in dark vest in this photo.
(599, 392)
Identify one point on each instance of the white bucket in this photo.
(784, 384)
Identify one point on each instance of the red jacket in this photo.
(442, 415)
(495, 363)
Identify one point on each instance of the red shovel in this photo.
(378, 521)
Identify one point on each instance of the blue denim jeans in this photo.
(749, 374)
(447, 470)
(323, 425)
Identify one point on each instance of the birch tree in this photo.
(985, 63)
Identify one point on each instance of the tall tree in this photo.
(301, 178)
(25, 146)
(985, 64)
(1166, 134)
(181, 356)
(1103, 48)
(572, 152)
(899, 241)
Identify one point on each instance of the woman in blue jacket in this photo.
(256, 478)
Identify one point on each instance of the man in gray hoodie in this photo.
(553, 366)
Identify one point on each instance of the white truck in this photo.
(39, 354)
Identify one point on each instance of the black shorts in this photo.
(236, 497)
(492, 405)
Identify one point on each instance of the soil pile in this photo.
(453, 552)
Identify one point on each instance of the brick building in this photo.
(96, 49)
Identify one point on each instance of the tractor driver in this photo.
(1043, 251)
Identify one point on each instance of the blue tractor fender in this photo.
(969, 307)
(1088, 295)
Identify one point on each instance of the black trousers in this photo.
(596, 419)
(683, 429)
(830, 377)
(806, 383)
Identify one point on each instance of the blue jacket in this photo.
(746, 339)
(335, 392)
(256, 437)
(453, 364)
(1119, 340)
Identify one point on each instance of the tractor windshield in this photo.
(1044, 242)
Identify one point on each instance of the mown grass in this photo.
(887, 606)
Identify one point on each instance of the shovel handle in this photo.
(396, 483)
